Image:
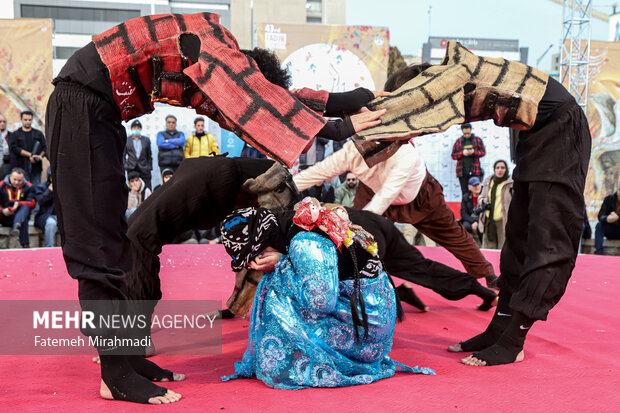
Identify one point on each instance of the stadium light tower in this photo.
(575, 48)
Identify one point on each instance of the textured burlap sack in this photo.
(463, 88)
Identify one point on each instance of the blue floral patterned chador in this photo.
(301, 332)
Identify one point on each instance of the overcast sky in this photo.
(535, 23)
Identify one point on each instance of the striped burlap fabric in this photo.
(463, 88)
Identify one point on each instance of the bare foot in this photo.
(456, 348)
(175, 377)
(169, 397)
(474, 361)
(97, 360)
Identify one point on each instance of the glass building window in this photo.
(78, 13)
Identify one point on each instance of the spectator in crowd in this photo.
(17, 199)
(5, 149)
(201, 143)
(28, 147)
(467, 151)
(249, 151)
(323, 191)
(608, 225)
(469, 201)
(138, 192)
(315, 154)
(170, 143)
(138, 156)
(401, 189)
(345, 193)
(496, 195)
(45, 219)
(166, 174)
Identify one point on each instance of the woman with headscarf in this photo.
(497, 191)
(317, 320)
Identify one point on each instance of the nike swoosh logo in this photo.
(499, 313)
(523, 327)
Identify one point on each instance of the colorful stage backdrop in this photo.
(25, 69)
(604, 118)
(333, 58)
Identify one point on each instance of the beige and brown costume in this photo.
(463, 88)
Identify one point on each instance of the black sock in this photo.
(510, 343)
(488, 296)
(149, 369)
(123, 381)
(407, 295)
(496, 327)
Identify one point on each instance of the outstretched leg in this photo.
(551, 245)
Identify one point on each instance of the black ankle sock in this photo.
(488, 296)
(499, 322)
(124, 383)
(407, 295)
(149, 369)
(510, 344)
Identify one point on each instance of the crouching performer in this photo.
(315, 322)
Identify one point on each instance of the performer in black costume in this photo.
(552, 154)
(182, 60)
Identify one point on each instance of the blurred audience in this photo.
(467, 151)
(138, 156)
(17, 197)
(608, 225)
(495, 197)
(470, 199)
(200, 143)
(345, 193)
(170, 143)
(138, 192)
(45, 219)
(5, 149)
(28, 148)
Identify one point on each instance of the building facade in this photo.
(76, 21)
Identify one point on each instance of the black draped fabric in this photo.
(198, 196)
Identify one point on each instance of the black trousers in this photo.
(405, 261)
(86, 141)
(542, 241)
(545, 217)
(198, 196)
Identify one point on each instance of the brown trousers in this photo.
(432, 217)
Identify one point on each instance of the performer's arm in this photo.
(391, 188)
(340, 130)
(340, 104)
(406, 168)
(333, 165)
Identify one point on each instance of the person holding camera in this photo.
(470, 215)
(493, 206)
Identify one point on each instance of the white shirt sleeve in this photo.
(402, 175)
(333, 165)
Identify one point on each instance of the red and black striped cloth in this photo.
(261, 113)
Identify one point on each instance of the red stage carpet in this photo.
(571, 361)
